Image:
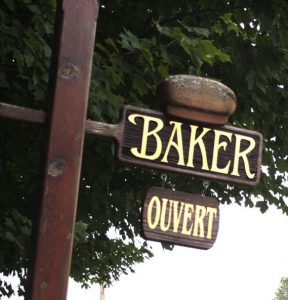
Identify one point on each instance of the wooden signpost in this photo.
(146, 138)
(153, 140)
(180, 218)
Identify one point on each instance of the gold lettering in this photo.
(177, 214)
(193, 143)
(188, 210)
(199, 222)
(153, 202)
(146, 134)
(178, 146)
(217, 146)
(212, 213)
(243, 155)
(163, 215)
(161, 211)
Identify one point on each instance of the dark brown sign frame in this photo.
(180, 218)
(224, 153)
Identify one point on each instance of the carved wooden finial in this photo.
(196, 98)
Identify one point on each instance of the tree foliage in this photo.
(138, 43)
(282, 291)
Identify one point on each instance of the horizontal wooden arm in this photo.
(39, 117)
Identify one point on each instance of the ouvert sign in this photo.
(180, 218)
(151, 139)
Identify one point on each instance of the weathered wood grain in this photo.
(180, 218)
(131, 136)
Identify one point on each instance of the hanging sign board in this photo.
(150, 139)
(180, 218)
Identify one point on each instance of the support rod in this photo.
(39, 117)
(22, 113)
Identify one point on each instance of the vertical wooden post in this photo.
(67, 128)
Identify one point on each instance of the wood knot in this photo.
(68, 71)
(44, 285)
(56, 168)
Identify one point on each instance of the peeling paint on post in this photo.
(54, 241)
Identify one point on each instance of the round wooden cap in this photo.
(196, 98)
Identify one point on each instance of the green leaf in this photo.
(10, 4)
(204, 32)
(282, 164)
(9, 236)
(163, 70)
(218, 29)
(231, 26)
(9, 222)
(172, 32)
(129, 41)
(209, 53)
(140, 84)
